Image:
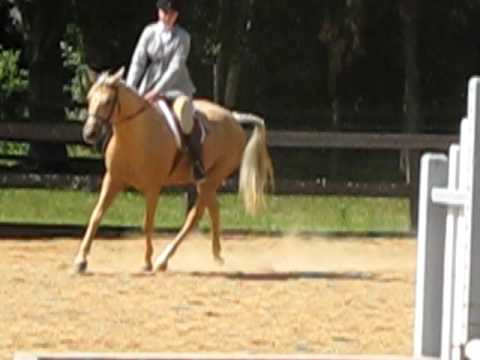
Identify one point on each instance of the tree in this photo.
(110, 30)
(410, 14)
(233, 25)
(342, 34)
(43, 24)
(9, 36)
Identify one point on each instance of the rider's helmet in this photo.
(167, 5)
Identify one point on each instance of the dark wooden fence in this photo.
(86, 173)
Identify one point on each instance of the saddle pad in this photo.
(172, 124)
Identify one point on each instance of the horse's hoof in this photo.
(161, 267)
(80, 268)
(219, 260)
(147, 268)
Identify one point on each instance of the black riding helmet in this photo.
(167, 5)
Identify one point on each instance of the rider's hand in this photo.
(152, 97)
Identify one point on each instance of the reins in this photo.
(131, 116)
(116, 103)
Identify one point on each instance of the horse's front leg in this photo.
(151, 200)
(109, 190)
(194, 215)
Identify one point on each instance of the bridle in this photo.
(116, 104)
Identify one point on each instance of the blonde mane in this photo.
(101, 82)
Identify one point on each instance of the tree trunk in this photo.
(412, 101)
(232, 37)
(333, 36)
(335, 67)
(413, 121)
(335, 54)
(225, 36)
(44, 26)
(232, 83)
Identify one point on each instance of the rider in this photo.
(159, 71)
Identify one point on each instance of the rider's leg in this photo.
(183, 108)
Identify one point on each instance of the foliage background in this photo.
(339, 65)
(285, 52)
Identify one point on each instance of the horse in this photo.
(143, 154)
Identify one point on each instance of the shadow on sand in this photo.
(260, 276)
(282, 275)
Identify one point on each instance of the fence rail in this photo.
(71, 133)
(84, 173)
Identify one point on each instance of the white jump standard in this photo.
(447, 314)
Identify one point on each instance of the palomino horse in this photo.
(143, 154)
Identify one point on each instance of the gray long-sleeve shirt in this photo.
(159, 62)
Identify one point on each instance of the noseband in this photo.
(116, 103)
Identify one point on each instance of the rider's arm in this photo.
(179, 60)
(139, 60)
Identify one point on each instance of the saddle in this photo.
(200, 125)
(191, 144)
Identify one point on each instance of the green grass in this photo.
(284, 213)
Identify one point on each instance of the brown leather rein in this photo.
(116, 103)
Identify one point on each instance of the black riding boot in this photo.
(195, 151)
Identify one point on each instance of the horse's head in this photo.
(102, 102)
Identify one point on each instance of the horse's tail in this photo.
(256, 170)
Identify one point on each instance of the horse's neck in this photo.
(130, 100)
(134, 119)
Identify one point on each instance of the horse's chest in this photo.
(139, 170)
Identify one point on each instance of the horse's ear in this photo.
(115, 78)
(91, 77)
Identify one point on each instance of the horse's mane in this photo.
(102, 81)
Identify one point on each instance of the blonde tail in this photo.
(256, 169)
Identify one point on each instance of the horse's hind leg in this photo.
(109, 190)
(214, 211)
(190, 197)
(194, 215)
(151, 201)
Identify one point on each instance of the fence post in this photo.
(430, 258)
